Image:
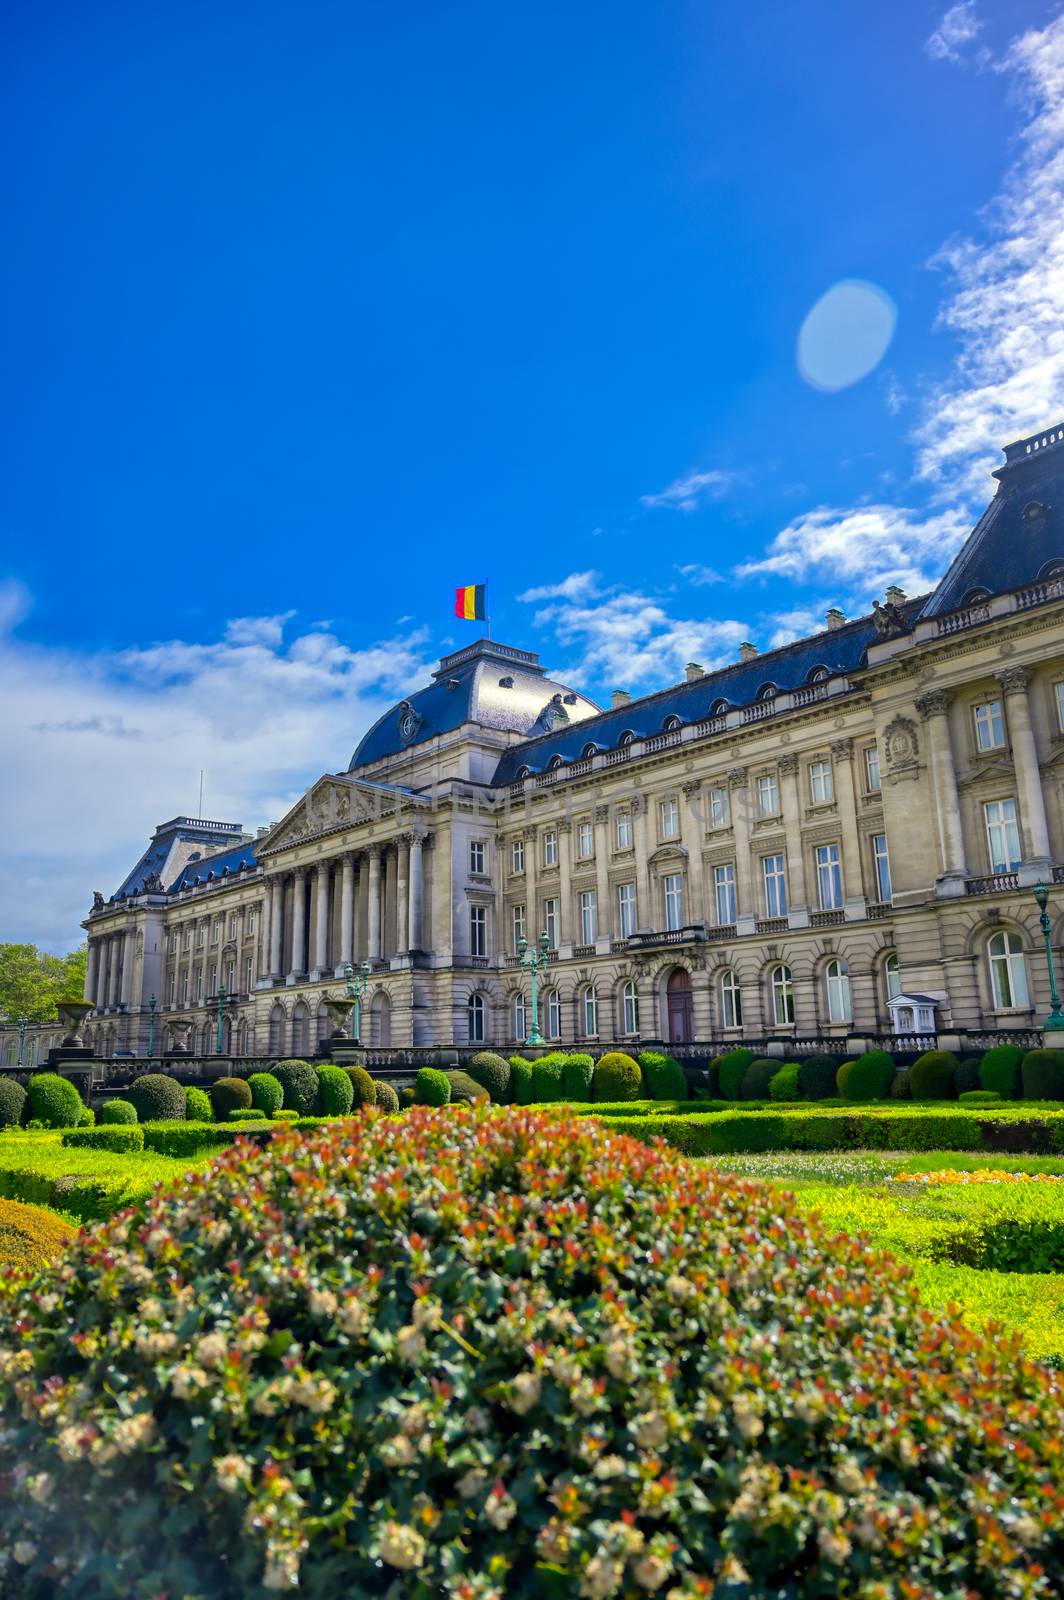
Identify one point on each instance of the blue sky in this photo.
(315, 312)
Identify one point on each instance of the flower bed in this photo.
(485, 1354)
(949, 1175)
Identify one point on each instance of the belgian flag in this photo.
(469, 603)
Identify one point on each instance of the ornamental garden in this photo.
(555, 1327)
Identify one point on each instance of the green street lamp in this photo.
(22, 1021)
(151, 1025)
(1054, 1023)
(534, 961)
(357, 978)
(222, 997)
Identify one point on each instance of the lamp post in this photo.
(534, 961)
(151, 1025)
(22, 1021)
(222, 997)
(1054, 1023)
(357, 978)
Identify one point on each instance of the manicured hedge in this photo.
(966, 1075)
(871, 1076)
(547, 1077)
(87, 1118)
(267, 1095)
(816, 1077)
(783, 1085)
(520, 1081)
(336, 1091)
(466, 1089)
(663, 1075)
(115, 1137)
(363, 1088)
(999, 1070)
(731, 1068)
(578, 1075)
(118, 1112)
(432, 1087)
(757, 1077)
(157, 1098)
(616, 1077)
(493, 1073)
(1042, 1074)
(843, 1073)
(385, 1097)
(246, 1114)
(931, 1077)
(198, 1106)
(229, 1095)
(299, 1082)
(54, 1101)
(12, 1102)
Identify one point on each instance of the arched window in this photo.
(242, 1037)
(520, 1026)
(818, 675)
(554, 1014)
(630, 1007)
(671, 724)
(588, 751)
(731, 1000)
(380, 1020)
(475, 1018)
(555, 762)
(767, 691)
(522, 773)
(1008, 972)
(277, 1030)
(782, 996)
(323, 1023)
(837, 984)
(627, 738)
(892, 975)
(300, 1029)
(718, 708)
(589, 1001)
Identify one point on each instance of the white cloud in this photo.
(958, 30)
(688, 493)
(865, 547)
(108, 744)
(574, 587)
(15, 603)
(259, 630)
(698, 575)
(798, 623)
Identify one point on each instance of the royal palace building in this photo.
(834, 839)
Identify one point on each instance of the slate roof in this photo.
(222, 864)
(161, 846)
(839, 650)
(1021, 532)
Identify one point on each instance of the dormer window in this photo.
(671, 724)
(554, 763)
(819, 675)
(718, 708)
(767, 691)
(588, 751)
(627, 738)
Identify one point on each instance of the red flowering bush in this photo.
(507, 1354)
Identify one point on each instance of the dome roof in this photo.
(489, 683)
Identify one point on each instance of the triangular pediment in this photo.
(335, 802)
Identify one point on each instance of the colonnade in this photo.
(109, 969)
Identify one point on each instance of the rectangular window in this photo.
(871, 767)
(821, 788)
(1058, 692)
(251, 920)
(626, 910)
(184, 987)
(518, 919)
(724, 893)
(200, 932)
(517, 855)
(173, 988)
(188, 936)
(230, 977)
(212, 982)
(550, 923)
(989, 725)
(1002, 835)
(584, 840)
(673, 886)
(550, 848)
(623, 825)
(829, 877)
(768, 794)
(588, 917)
(216, 930)
(197, 994)
(232, 926)
(731, 1001)
(670, 818)
(774, 876)
(476, 856)
(478, 930)
(718, 808)
(554, 1015)
(881, 866)
(248, 980)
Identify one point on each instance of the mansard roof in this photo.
(1020, 536)
(791, 666)
(165, 850)
(221, 864)
(486, 682)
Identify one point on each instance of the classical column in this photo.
(531, 838)
(362, 908)
(846, 800)
(692, 828)
(570, 924)
(933, 708)
(100, 996)
(417, 889)
(91, 962)
(277, 927)
(263, 948)
(604, 910)
(114, 969)
(347, 911)
(745, 903)
(1035, 832)
(797, 893)
(644, 910)
(402, 891)
(321, 922)
(373, 930)
(299, 925)
(128, 946)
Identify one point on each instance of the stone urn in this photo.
(72, 1014)
(181, 1028)
(340, 1011)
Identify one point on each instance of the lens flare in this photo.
(846, 334)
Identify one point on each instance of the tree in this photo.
(32, 981)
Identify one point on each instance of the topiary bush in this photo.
(966, 1075)
(520, 1081)
(407, 1098)
(900, 1087)
(843, 1073)
(228, 1095)
(299, 1082)
(12, 1103)
(285, 1116)
(118, 1113)
(386, 1097)
(198, 1106)
(816, 1077)
(363, 1088)
(616, 1077)
(122, 1137)
(466, 1089)
(157, 1098)
(54, 1101)
(1042, 1075)
(493, 1073)
(931, 1075)
(783, 1085)
(87, 1118)
(547, 1077)
(871, 1076)
(731, 1068)
(267, 1095)
(999, 1070)
(245, 1114)
(578, 1074)
(980, 1097)
(488, 1387)
(432, 1087)
(757, 1077)
(663, 1075)
(336, 1091)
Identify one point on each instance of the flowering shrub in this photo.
(363, 1087)
(335, 1091)
(29, 1237)
(616, 1077)
(492, 1072)
(947, 1175)
(384, 1095)
(299, 1082)
(229, 1095)
(12, 1102)
(508, 1354)
(54, 1101)
(267, 1095)
(198, 1106)
(158, 1098)
(431, 1087)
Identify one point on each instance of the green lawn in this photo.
(83, 1185)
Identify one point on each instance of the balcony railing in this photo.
(826, 919)
(995, 883)
(693, 933)
(772, 925)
